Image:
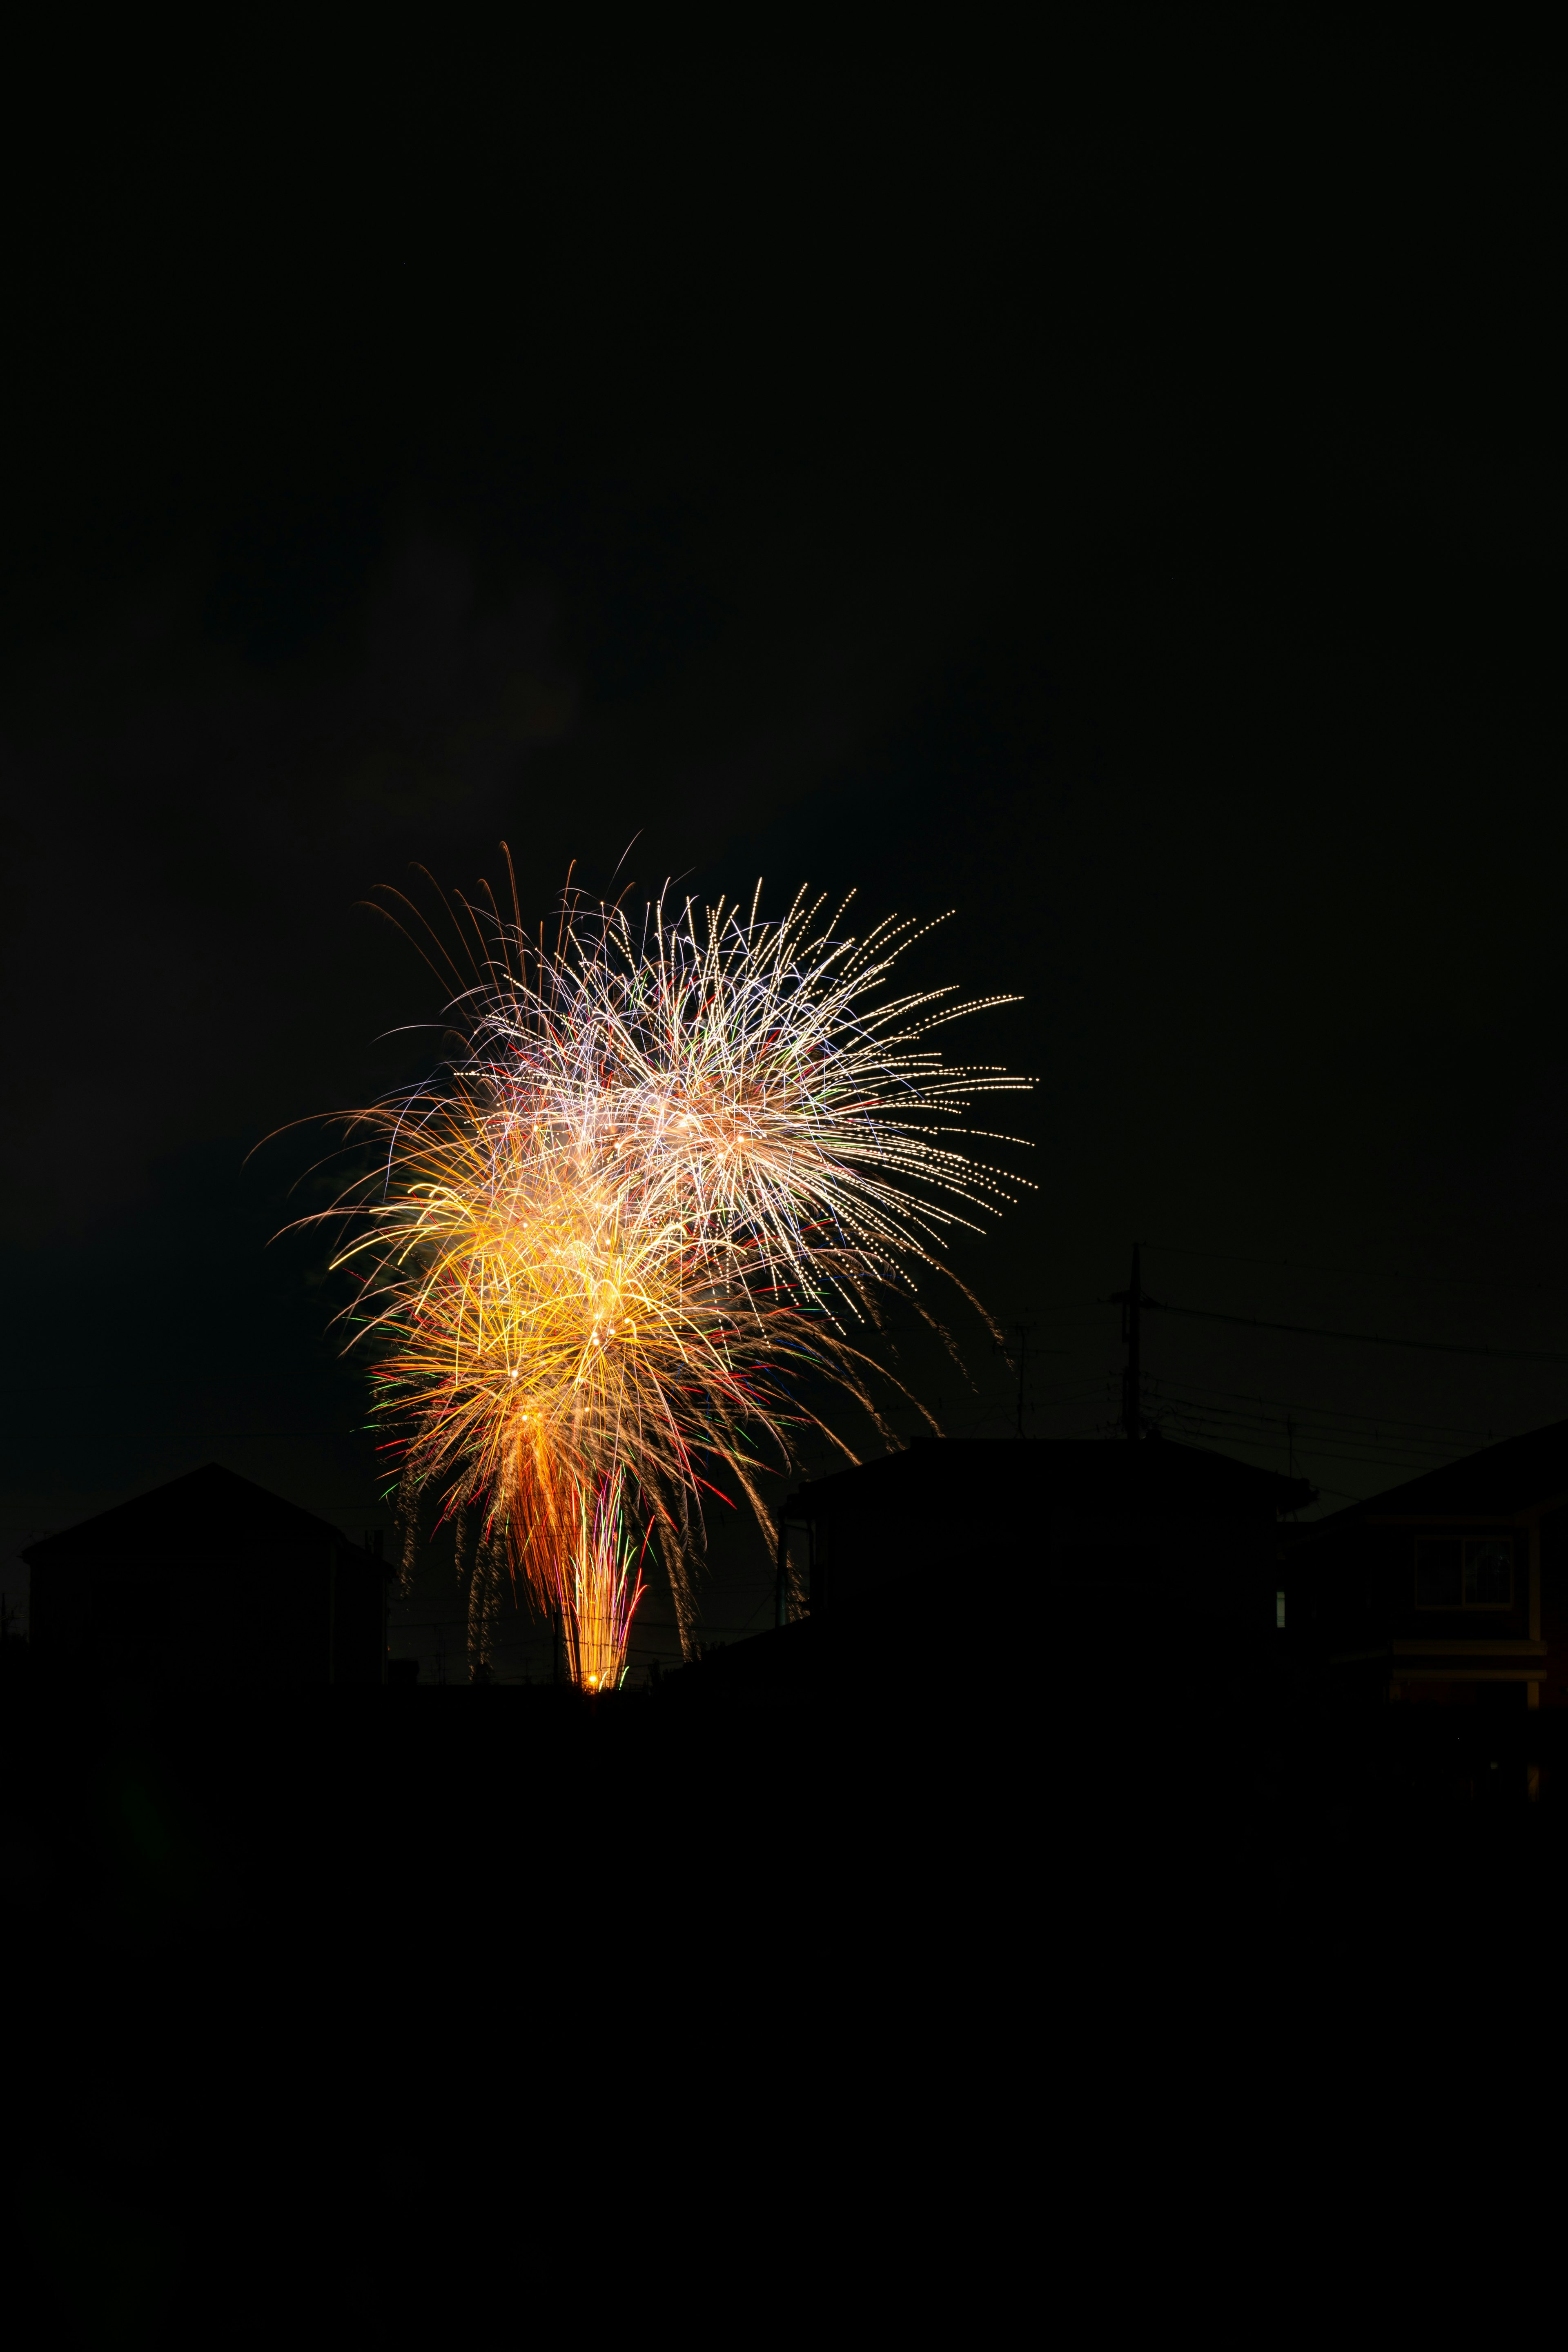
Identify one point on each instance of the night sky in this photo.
(1116, 496)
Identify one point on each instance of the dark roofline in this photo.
(1046, 1455)
(1537, 1459)
(277, 1508)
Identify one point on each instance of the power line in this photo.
(1324, 1411)
(1304, 1266)
(1388, 1444)
(1360, 1338)
(1321, 1449)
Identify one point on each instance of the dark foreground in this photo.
(391, 2011)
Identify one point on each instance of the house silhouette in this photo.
(1145, 1572)
(1198, 1529)
(208, 1582)
(1452, 1588)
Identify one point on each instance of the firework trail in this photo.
(599, 1585)
(669, 1169)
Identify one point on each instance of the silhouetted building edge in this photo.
(1451, 1589)
(1015, 1521)
(208, 1581)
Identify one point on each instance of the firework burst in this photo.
(669, 1170)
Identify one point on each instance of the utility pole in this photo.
(783, 1594)
(1132, 1393)
(331, 1613)
(999, 1349)
(1132, 1301)
(781, 1571)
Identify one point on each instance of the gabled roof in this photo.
(209, 1509)
(959, 1477)
(1520, 1475)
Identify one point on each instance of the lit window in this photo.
(1279, 1610)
